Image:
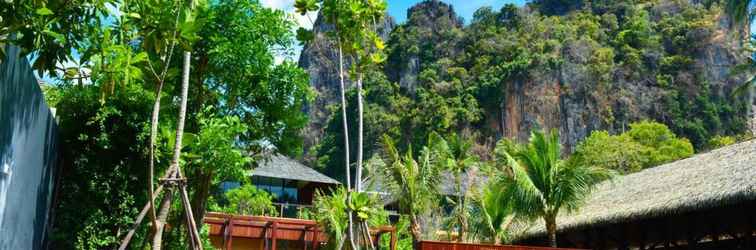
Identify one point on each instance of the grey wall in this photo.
(28, 156)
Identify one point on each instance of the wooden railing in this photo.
(272, 229)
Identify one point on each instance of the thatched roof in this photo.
(724, 176)
(282, 167)
(472, 179)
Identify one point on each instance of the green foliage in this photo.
(236, 107)
(241, 77)
(332, 212)
(102, 178)
(617, 152)
(493, 214)
(541, 184)
(214, 149)
(248, 200)
(414, 181)
(454, 155)
(720, 141)
(663, 145)
(646, 144)
(51, 29)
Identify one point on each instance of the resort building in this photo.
(707, 201)
(292, 184)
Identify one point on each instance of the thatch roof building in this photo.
(282, 167)
(707, 201)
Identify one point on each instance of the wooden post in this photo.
(228, 234)
(393, 239)
(273, 235)
(315, 238)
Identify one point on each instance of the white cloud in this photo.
(278, 4)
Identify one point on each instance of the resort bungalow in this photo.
(292, 184)
(707, 201)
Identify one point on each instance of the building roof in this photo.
(282, 167)
(473, 179)
(724, 176)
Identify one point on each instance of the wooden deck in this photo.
(260, 232)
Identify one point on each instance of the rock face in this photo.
(321, 60)
(440, 28)
(567, 98)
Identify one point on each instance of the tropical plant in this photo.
(647, 144)
(457, 158)
(332, 211)
(352, 20)
(413, 182)
(541, 185)
(494, 214)
(249, 200)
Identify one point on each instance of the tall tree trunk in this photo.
(550, 221)
(153, 139)
(460, 207)
(182, 111)
(358, 172)
(350, 226)
(162, 217)
(154, 125)
(416, 232)
(174, 167)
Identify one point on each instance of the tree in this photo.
(414, 182)
(248, 200)
(541, 184)
(647, 144)
(663, 145)
(50, 29)
(352, 21)
(237, 76)
(617, 152)
(493, 216)
(457, 158)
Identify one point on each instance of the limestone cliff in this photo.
(568, 95)
(320, 59)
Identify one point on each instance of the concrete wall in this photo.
(28, 156)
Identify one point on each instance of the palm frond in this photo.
(739, 10)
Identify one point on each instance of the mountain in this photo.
(320, 59)
(596, 65)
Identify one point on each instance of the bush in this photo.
(249, 200)
(647, 144)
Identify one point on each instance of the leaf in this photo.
(44, 11)
(57, 36)
(379, 43)
(304, 35)
(71, 72)
(377, 58)
(134, 15)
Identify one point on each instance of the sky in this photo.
(396, 8)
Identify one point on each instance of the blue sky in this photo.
(464, 8)
(396, 8)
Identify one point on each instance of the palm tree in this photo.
(413, 182)
(541, 184)
(457, 158)
(739, 10)
(495, 213)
